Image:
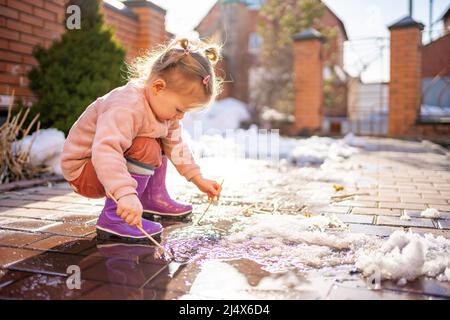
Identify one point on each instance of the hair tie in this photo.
(206, 79)
(186, 51)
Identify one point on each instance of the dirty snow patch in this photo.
(430, 213)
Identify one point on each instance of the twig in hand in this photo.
(139, 226)
(207, 208)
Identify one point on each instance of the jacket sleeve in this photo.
(179, 153)
(114, 134)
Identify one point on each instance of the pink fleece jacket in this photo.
(106, 130)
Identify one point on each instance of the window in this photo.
(254, 4)
(254, 43)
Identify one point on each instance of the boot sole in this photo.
(110, 236)
(156, 216)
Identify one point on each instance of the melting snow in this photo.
(405, 216)
(285, 242)
(430, 213)
(262, 144)
(222, 115)
(316, 150)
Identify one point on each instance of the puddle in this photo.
(110, 270)
(265, 255)
(216, 266)
(285, 243)
(244, 279)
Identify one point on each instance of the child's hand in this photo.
(130, 209)
(210, 187)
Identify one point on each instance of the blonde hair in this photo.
(178, 62)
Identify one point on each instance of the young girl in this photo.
(116, 145)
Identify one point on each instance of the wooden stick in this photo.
(349, 195)
(209, 205)
(145, 232)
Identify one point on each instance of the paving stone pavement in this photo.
(46, 229)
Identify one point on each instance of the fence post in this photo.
(308, 80)
(405, 74)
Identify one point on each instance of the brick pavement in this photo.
(45, 229)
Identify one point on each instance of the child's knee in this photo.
(145, 150)
(87, 184)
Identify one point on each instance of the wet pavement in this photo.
(47, 229)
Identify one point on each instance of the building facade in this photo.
(436, 68)
(234, 24)
(24, 24)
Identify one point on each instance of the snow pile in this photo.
(46, 148)
(215, 132)
(262, 144)
(269, 114)
(322, 241)
(434, 111)
(430, 213)
(214, 146)
(315, 150)
(354, 141)
(240, 143)
(405, 217)
(406, 256)
(291, 228)
(225, 114)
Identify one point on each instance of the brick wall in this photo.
(434, 131)
(126, 28)
(209, 28)
(436, 58)
(335, 48)
(23, 25)
(152, 28)
(447, 22)
(239, 22)
(210, 22)
(27, 23)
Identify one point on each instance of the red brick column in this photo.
(152, 30)
(405, 82)
(308, 81)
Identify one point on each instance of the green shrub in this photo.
(80, 67)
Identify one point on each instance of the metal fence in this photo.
(368, 90)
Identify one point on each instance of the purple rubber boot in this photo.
(156, 200)
(110, 225)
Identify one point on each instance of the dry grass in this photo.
(15, 164)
